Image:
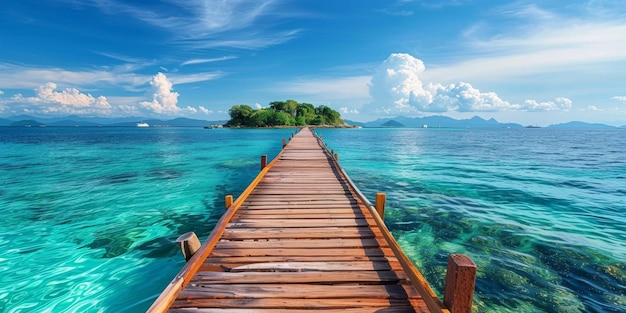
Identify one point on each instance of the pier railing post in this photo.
(189, 244)
(380, 204)
(460, 281)
(228, 201)
(263, 161)
(284, 142)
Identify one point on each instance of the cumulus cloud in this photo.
(396, 87)
(164, 100)
(559, 104)
(48, 99)
(205, 110)
(69, 97)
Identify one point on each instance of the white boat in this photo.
(142, 124)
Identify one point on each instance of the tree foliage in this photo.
(283, 113)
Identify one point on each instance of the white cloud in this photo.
(201, 61)
(164, 100)
(555, 46)
(194, 78)
(396, 88)
(206, 24)
(205, 110)
(69, 96)
(621, 99)
(48, 100)
(258, 106)
(559, 104)
(346, 110)
(1, 92)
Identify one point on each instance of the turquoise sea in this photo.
(90, 215)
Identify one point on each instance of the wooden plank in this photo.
(294, 291)
(308, 304)
(301, 243)
(301, 252)
(344, 277)
(224, 264)
(271, 210)
(260, 215)
(313, 266)
(299, 223)
(395, 309)
(295, 233)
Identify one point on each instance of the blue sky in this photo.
(530, 62)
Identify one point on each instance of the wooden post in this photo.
(336, 156)
(380, 204)
(263, 161)
(189, 244)
(460, 281)
(228, 201)
(284, 142)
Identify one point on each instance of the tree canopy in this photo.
(283, 113)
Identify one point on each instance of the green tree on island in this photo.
(283, 113)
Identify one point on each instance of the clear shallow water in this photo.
(90, 215)
(541, 211)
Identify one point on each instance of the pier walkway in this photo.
(300, 238)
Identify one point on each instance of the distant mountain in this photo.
(391, 123)
(577, 124)
(71, 121)
(5, 122)
(27, 123)
(354, 123)
(442, 121)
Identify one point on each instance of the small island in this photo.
(282, 114)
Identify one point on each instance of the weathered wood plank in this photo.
(300, 223)
(293, 216)
(301, 243)
(308, 304)
(301, 252)
(394, 309)
(345, 277)
(296, 233)
(294, 291)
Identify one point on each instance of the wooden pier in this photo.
(302, 237)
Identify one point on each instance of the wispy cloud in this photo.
(124, 77)
(621, 99)
(211, 60)
(205, 24)
(26, 77)
(332, 88)
(552, 45)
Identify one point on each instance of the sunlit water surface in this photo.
(90, 215)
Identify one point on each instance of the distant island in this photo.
(283, 113)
